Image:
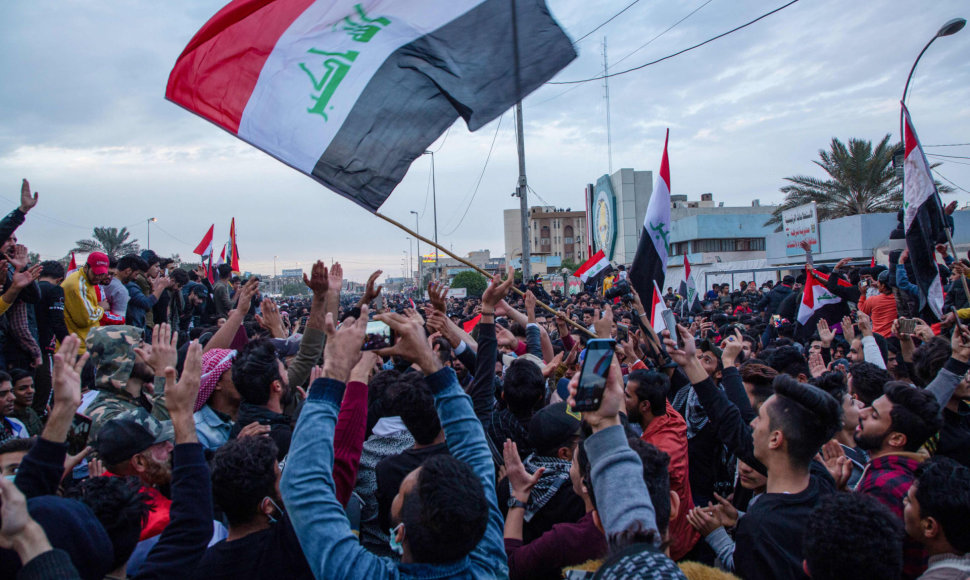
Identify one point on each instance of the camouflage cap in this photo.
(129, 433)
(112, 351)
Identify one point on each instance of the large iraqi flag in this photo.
(922, 220)
(351, 92)
(650, 261)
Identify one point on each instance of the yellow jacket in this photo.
(81, 308)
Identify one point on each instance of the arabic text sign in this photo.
(800, 225)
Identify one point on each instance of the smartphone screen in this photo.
(671, 323)
(592, 377)
(379, 335)
(77, 436)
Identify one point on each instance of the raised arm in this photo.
(224, 336)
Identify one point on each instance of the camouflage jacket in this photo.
(112, 351)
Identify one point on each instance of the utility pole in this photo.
(606, 85)
(523, 196)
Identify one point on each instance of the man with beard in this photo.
(261, 380)
(128, 373)
(892, 430)
(82, 307)
(10, 427)
(135, 444)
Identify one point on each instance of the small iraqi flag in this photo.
(815, 296)
(593, 266)
(350, 92)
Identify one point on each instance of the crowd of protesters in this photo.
(156, 424)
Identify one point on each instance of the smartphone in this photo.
(379, 335)
(907, 325)
(671, 323)
(622, 332)
(77, 436)
(592, 377)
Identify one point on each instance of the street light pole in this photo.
(410, 262)
(417, 230)
(523, 195)
(434, 205)
(149, 223)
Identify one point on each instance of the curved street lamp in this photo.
(949, 28)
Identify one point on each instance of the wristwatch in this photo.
(514, 503)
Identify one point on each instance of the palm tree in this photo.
(111, 241)
(860, 180)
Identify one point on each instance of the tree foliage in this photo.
(472, 281)
(111, 241)
(860, 180)
(294, 289)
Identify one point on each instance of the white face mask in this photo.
(396, 547)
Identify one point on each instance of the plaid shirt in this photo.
(20, 328)
(888, 479)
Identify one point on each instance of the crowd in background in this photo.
(159, 424)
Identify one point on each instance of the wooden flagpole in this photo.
(548, 308)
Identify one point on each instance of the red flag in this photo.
(205, 246)
(471, 324)
(233, 249)
(872, 263)
(73, 265)
(593, 266)
(208, 270)
(686, 267)
(657, 306)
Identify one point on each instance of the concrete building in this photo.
(617, 205)
(555, 232)
(709, 232)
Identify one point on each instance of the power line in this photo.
(678, 53)
(947, 160)
(949, 156)
(480, 176)
(669, 28)
(608, 20)
(943, 177)
(949, 145)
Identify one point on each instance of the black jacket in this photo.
(280, 426)
(772, 300)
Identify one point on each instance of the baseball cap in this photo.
(130, 433)
(884, 276)
(553, 426)
(98, 262)
(707, 345)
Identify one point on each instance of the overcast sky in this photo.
(82, 115)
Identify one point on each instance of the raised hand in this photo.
(335, 277)
(960, 345)
(412, 344)
(365, 367)
(27, 201)
(825, 333)
(504, 337)
(244, 299)
(832, 456)
(343, 345)
(437, 293)
(731, 347)
(370, 292)
(847, 331)
(520, 480)
(65, 388)
(816, 365)
(163, 351)
(603, 322)
(270, 318)
(865, 323)
(319, 280)
(23, 279)
(613, 400)
(530, 305)
(180, 395)
(550, 369)
(497, 290)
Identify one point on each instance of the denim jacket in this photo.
(320, 522)
(212, 431)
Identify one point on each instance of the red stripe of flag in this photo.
(471, 324)
(686, 266)
(212, 70)
(205, 246)
(590, 263)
